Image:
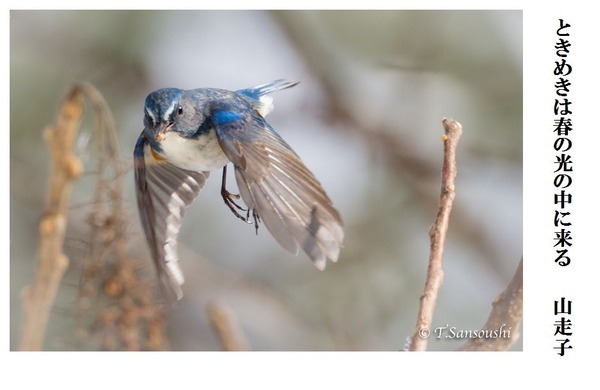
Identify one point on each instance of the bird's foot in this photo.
(228, 198)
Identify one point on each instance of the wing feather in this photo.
(164, 191)
(274, 182)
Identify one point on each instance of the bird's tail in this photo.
(265, 89)
(264, 103)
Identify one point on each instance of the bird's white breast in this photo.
(201, 154)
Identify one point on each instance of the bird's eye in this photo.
(180, 110)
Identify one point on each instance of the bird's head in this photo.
(171, 110)
(162, 110)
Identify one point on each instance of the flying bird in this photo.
(189, 133)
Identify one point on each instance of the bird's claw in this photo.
(228, 198)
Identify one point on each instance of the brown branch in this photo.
(51, 261)
(115, 304)
(227, 327)
(506, 314)
(437, 236)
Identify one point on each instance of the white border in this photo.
(543, 281)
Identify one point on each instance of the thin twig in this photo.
(505, 318)
(51, 261)
(227, 327)
(437, 236)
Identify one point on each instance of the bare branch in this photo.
(507, 313)
(51, 261)
(227, 327)
(437, 236)
(129, 317)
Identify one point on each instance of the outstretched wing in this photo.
(164, 191)
(276, 184)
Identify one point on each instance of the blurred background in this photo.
(365, 118)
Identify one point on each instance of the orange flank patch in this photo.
(155, 155)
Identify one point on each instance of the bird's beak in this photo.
(161, 134)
